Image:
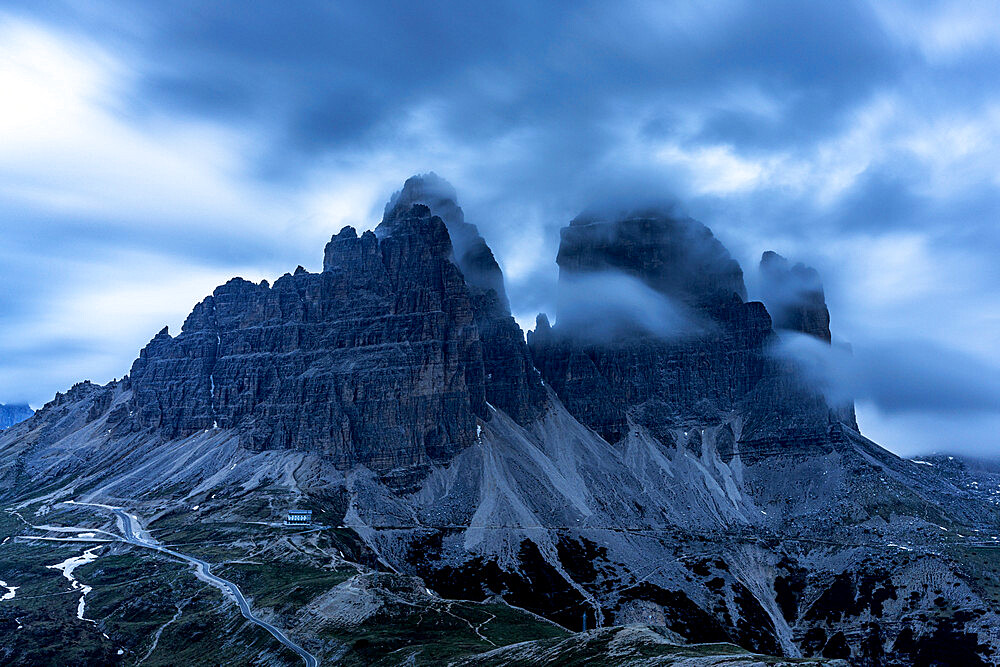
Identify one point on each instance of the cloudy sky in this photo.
(150, 151)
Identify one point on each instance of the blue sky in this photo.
(150, 151)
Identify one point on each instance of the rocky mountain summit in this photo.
(709, 366)
(646, 460)
(512, 383)
(387, 358)
(794, 296)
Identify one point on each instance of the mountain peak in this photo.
(678, 258)
(794, 296)
(429, 189)
(11, 414)
(470, 251)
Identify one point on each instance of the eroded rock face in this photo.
(661, 376)
(512, 383)
(662, 383)
(377, 360)
(387, 358)
(794, 296)
(705, 361)
(677, 257)
(470, 251)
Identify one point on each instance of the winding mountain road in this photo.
(135, 534)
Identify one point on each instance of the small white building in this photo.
(299, 518)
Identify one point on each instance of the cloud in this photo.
(914, 434)
(605, 305)
(898, 376)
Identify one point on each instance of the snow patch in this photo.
(67, 567)
(11, 591)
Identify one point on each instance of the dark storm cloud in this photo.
(555, 83)
(328, 75)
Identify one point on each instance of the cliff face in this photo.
(387, 358)
(794, 296)
(701, 366)
(469, 249)
(376, 361)
(664, 373)
(679, 258)
(512, 383)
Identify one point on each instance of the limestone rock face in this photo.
(662, 377)
(377, 360)
(387, 358)
(512, 383)
(708, 364)
(663, 383)
(676, 257)
(470, 251)
(794, 296)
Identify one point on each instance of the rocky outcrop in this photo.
(704, 361)
(387, 358)
(663, 383)
(512, 383)
(690, 373)
(377, 360)
(470, 251)
(677, 257)
(794, 296)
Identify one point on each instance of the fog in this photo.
(903, 383)
(606, 305)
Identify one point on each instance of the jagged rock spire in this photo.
(693, 362)
(512, 383)
(471, 253)
(387, 358)
(794, 296)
